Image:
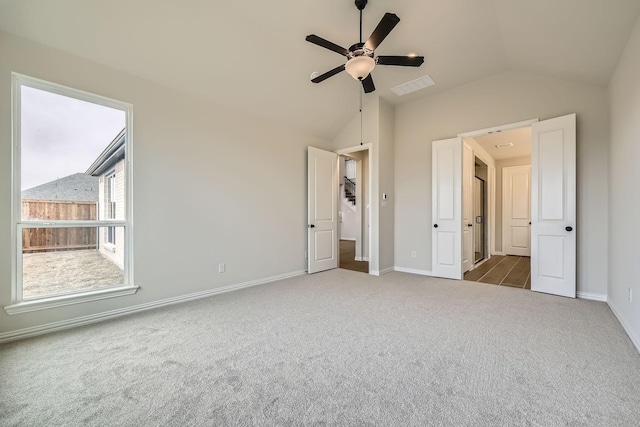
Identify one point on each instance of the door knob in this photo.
(435, 225)
(312, 226)
(568, 228)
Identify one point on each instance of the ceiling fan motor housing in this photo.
(359, 49)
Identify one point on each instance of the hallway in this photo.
(347, 257)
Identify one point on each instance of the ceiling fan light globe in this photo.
(359, 67)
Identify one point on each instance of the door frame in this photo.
(368, 147)
(484, 193)
(468, 197)
(491, 184)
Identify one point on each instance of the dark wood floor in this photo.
(347, 255)
(510, 270)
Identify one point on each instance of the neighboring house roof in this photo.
(77, 187)
(109, 157)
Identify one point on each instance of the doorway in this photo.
(323, 209)
(551, 206)
(510, 153)
(353, 208)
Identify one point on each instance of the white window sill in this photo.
(62, 300)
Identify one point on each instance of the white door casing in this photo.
(468, 173)
(516, 210)
(553, 206)
(447, 208)
(322, 199)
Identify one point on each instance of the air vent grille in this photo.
(413, 85)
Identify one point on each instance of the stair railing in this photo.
(350, 189)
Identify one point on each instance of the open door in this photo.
(553, 206)
(447, 208)
(322, 181)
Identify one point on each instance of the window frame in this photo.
(18, 305)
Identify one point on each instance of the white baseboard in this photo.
(98, 317)
(592, 296)
(348, 239)
(635, 339)
(413, 271)
(499, 253)
(381, 272)
(358, 258)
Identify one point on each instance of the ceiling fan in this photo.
(361, 59)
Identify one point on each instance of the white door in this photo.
(516, 210)
(468, 173)
(447, 208)
(322, 181)
(553, 206)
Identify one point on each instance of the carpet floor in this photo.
(334, 348)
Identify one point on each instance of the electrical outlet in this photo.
(413, 254)
(221, 268)
(630, 295)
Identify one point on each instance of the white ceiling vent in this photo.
(413, 85)
(504, 145)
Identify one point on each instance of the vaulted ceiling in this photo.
(252, 55)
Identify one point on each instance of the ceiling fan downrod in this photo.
(360, 4)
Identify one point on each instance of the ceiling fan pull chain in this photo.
(360, 92)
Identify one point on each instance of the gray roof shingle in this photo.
(76, 187)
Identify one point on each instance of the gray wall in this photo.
(506, 97)
(624, 178)
(236, 186)
(387, 186)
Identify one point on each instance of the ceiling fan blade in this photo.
(328, 74)
(312, 38)
(367, 84)
(403, 61)
(387, 23)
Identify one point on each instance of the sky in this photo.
(62, 135)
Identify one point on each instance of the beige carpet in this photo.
(334, 348)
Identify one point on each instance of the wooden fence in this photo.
(58, 239)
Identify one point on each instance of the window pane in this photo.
(72, 259)
(68, 148)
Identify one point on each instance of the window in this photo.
(350, 168)
(71, 205)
